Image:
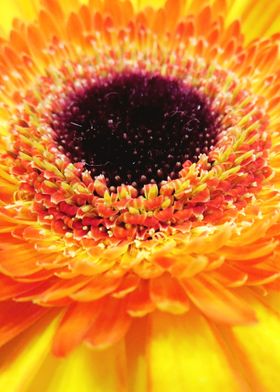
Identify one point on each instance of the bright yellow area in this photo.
(140, 4)
(27, 365)
(185, 356)
(236, 9)
(261, 343)
(26, 10)
(84, 370)
(19, 370)
(258, 18)
(21, 9)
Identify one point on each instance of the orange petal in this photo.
(203, 21)
(10, 288)
(47, 24)
(98, 287)
(74, 326)
(75, 28)
(19, 261)
(62, 289)
(258, 276)
(139, 302)
(54, 8)
(229, 275)
(86, 17)
(129, 283)
(35, 40)
(110, 325)
(173, 11)
(168, 295)
(136, 345)
(15, 318)
(218, 303)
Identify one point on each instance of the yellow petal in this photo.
(258, 18)
(24, 10)
(184, 354)
(20, 360)
(261, 342)
(84, 370)
(140, 4)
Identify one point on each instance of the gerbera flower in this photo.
(139, 178)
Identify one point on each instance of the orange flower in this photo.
(139, 178)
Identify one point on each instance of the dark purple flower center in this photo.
(136, 128)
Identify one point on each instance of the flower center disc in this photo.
(135, 128)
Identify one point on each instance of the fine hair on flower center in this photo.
(135, 128)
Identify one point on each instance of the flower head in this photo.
(139, 178)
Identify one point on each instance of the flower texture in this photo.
(139, 209)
